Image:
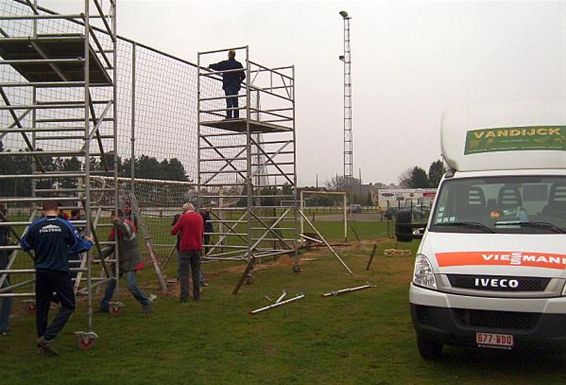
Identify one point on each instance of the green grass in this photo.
(359, 338)
(364, 230)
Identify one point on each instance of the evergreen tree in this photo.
(435, 172)
(419, 179)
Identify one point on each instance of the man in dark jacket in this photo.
(208, 228)
(51, 239)
(232, 78)
(6, 302)
(130, 262)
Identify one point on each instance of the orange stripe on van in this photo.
(502, 258)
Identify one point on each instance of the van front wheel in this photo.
(428, 349)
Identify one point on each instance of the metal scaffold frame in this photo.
(55, 65)
(251, 185)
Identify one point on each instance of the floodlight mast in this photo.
(348, 137)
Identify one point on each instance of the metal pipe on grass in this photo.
(277, 304)
(348, 290)
(281, 296)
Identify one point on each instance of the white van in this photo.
(490, 270)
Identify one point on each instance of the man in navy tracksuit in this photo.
(51, 239)
(231, 82)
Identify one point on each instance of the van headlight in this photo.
(423, 274)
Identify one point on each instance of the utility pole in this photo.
(361, 198)
(346, 58)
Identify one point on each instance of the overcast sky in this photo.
(410, 62)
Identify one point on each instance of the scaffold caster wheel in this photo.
(296, 268)
(86, 343)
(86, 340)
(115, 310)
(249, 279)
(30, 307)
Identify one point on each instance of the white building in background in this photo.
(402, 197)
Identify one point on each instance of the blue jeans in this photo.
(5, 309)
(232, 102)
(132, 282)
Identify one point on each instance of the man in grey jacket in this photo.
(130, 262)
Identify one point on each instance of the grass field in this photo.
(359, 338)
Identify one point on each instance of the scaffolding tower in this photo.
(58, 88)
(246, 166)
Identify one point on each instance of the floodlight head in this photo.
(341, 57)
(344, 14)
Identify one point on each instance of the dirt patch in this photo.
(270, 350)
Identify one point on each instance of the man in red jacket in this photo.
(190, 227)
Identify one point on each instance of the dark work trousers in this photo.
(47, 282)
(206, 240)
(189, 260)
(232, 102)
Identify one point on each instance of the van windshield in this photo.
(503, 204)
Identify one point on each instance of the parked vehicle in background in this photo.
(355, 209)
(490, 271)
(419, 212)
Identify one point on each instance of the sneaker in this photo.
(152, 297)
(45, 346)
(5, 333)
(147, 309)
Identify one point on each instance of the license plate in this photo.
(492, 340)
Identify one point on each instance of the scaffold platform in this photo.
(240, 125)
(46, 58)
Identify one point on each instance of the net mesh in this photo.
(156, 101)
(164, 113)
(157, 137)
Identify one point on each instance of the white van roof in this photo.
(528, 135)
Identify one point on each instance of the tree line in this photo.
(144, 167)
(417, 177)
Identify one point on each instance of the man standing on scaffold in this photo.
(231, 82)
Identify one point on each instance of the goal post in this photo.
(332, 193)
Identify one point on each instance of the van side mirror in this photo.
(403, 226)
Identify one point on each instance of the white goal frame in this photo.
(344, 207)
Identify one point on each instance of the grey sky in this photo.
(410, 61)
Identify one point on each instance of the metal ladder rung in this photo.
(71, 137)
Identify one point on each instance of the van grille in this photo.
(484, 282)
(496, 319)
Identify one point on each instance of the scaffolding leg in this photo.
(168, 258)
(371, 257)
(244, 276)
(325, 242)
(354, 231)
